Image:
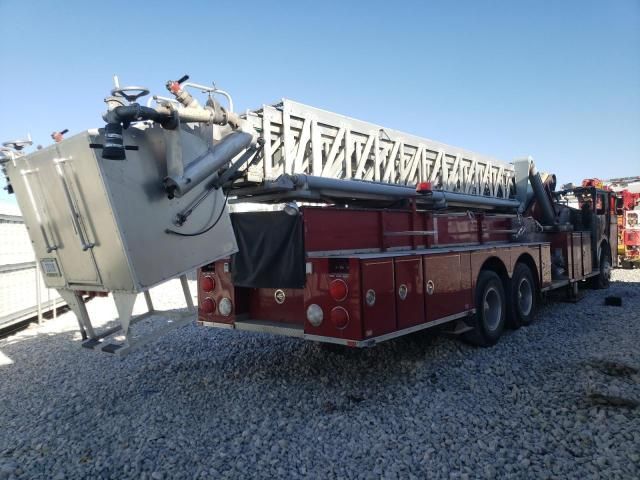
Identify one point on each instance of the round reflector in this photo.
(315, 315)
(338, 290)
(225, 307)
(370, 297)
(207, 306)
(339, 317)
(208, 284)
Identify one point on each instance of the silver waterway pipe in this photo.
(212, 160)
(362, 190)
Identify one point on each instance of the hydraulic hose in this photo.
(136, 112)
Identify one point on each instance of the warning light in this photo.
(207, 306)
(339, 317)
(423, 187)
(208, 284)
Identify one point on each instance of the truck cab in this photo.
(592, 209)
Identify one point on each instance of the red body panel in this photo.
(223, 288)
(458, 229)
(450, 277)
(380, 318)
(434, 259)
(317, 292)
(381, 229)
(479, 257)
(409, 284)
(632, 238)
(263, 305)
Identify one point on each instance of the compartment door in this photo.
(587, 259)
(77, 232)
(447, 285)
(378, 297)
(409, 291)
(576, 248)
(54, 189)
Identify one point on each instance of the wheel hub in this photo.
(525, 296)
(492, 307)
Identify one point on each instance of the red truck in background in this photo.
(627, 207)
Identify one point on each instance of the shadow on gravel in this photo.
(612, 383)
(400, 355)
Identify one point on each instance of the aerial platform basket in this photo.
(100, 225)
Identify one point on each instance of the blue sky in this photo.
(558, 80)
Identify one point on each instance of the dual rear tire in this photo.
(488, 323)
(522, 301)
(497, 307)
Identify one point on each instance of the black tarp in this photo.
(270, 250)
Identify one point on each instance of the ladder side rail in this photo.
(318, 142)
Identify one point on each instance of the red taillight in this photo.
(208, 284)
(339, 317)
(338, 290)
(207, 306)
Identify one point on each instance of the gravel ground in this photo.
(551, 400)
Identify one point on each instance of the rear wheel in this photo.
(603, 279)
(522, 298)
(488, 322)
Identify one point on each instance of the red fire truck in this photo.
(341, 231)
(627, 209)
(363, 270)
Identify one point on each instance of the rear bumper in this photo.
(296, 331)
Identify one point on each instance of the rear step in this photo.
(120, 339)
(266, 326)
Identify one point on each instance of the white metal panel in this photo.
(15, 245)
(21, 285)
(17, 291)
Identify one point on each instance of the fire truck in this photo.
(628, 212)
(627, 208)
(300, 222)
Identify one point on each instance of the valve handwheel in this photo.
(130, 94)
(18, 144)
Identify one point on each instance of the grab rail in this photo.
(50, 246)
(75, 214)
